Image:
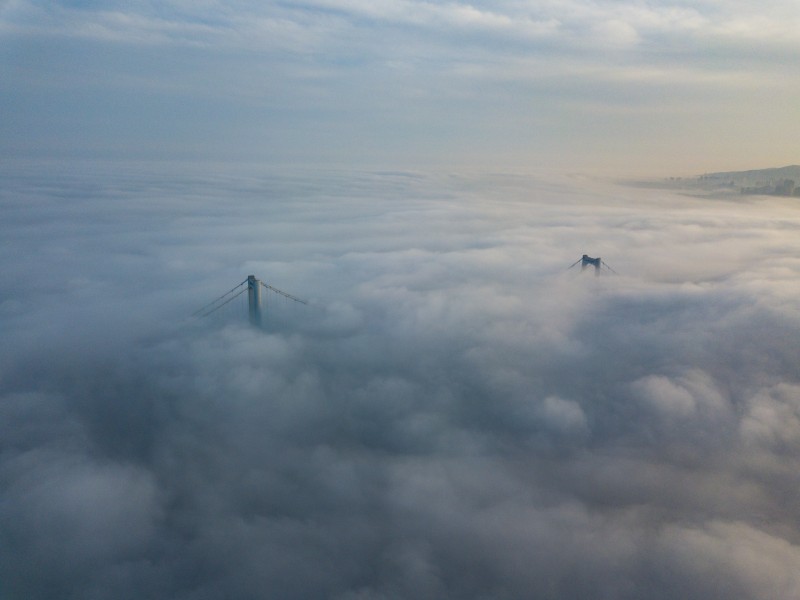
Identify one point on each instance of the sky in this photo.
(454, 413)
(621, 87)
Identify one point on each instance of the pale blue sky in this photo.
(616, 86)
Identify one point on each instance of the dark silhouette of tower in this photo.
(587, 261)
(254, 299)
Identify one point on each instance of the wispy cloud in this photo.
(408, 72)
(576, 23)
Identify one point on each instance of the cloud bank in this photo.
(452, 416)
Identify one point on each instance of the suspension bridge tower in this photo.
(256, 290)
(587, 261)
(254, 300)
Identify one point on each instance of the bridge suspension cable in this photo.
(216, 308)
(587, 261)
(573, 264)
(252, 285)
(211, 304)
(607, 266)
(282, 293)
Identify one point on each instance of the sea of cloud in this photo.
(453, 415)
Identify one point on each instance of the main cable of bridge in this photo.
(607, 266)
(198, 312)
(575, 263)
(282, 293)
(231, 299)
(588, 260)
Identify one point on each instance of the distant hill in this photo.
(782, 181)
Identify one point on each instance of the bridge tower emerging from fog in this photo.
(587, 261)
(254, 300)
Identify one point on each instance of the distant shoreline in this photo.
(781, 181)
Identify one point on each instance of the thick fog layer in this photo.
(453, 414)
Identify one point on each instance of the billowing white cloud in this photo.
(453, 414)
